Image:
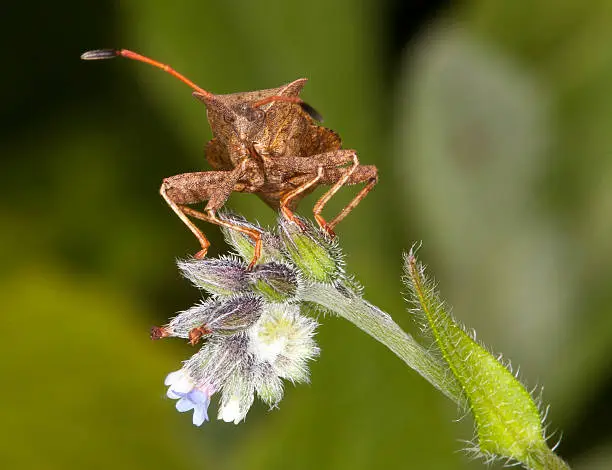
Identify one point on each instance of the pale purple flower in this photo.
(189, 396)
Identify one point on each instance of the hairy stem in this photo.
(378, 324)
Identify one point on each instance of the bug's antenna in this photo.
(100, 54)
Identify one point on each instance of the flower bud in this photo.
(237, 395)
(314, 256)
(222, 276)
(216, 316)
(271, 247)
(277, 282)
(268, 385)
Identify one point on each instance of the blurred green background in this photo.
(490, 123)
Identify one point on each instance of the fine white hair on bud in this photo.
(238, 393)
(316, 256)
(217, 316)
(222, 276)
(277, 282)
(277, 346)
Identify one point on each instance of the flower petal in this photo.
(200, 414)
(230, 411)
(185, 404)
(173, 377)
(172, 394)
(182, 385)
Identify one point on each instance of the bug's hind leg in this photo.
(355, 174)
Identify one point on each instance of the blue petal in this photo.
(199, 397)
(200, 414)
(185, 404)
(174, 394)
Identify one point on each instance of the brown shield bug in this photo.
(264, 142)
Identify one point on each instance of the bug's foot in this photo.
(298, 222)
(201, 254)
(196, 334)
(289, 215)
(325, 226)
(252, 264)
(328, 230)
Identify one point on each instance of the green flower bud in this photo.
(268, 385)
(277, 282)
(314, 255)
(244, 245)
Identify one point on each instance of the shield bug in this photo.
(265, 142)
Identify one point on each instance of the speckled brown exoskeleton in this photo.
(265, 142)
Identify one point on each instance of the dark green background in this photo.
(490, 123)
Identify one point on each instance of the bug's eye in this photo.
(254, 114)
(259, 114)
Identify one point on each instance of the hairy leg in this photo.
(209, 215)
(285, 201)
(190, 188)
(280, 169)
(340, 177)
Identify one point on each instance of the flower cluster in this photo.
(251, 327)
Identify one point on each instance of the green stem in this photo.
(382, 328)
(548, 460)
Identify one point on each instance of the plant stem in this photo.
(378, 324)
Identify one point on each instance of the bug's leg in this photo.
(191, 188)
(179, 211)
(311, 164)
(328, 195)
(355, 174)
(209, 215)
(286, 199)
(370, 174)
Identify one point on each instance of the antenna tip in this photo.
(99, 54)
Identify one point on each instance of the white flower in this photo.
(230, 412)
(284, 338)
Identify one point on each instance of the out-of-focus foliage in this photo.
(494, 147)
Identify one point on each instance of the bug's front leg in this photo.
(191, 188)
(212, 186)
(296, 194)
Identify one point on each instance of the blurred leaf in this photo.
(475, 126)
(85, 384)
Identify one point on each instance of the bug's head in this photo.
(233, 121)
